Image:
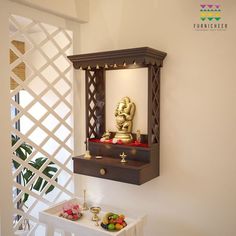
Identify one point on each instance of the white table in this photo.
(85, 227)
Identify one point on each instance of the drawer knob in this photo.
(102, 171)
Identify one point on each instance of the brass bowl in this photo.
(95, 211)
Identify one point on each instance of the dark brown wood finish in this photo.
(153, 104)
(143, 162)
(114, 150)
(142, 56)
(95, 103)
(130, 172)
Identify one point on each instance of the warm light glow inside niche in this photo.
(134, 84)
(19, 69)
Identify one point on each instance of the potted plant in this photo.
(25, 175)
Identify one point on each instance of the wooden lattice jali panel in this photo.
(154, 104)
(95, 103)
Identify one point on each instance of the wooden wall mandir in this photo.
(143, 161)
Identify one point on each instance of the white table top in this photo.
(85, 226)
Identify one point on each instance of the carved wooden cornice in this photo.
(134, 57)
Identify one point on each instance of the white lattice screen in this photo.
(41, 112)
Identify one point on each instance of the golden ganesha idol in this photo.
(124, 114)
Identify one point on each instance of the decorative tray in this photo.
(84, 225)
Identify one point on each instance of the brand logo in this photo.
(210, 18)
(210, 12)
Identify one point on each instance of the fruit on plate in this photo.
(113, 222)
(70, 211)
(111, 226)
(118, 226)
(106, 218)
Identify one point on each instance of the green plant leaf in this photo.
(27, 148)
(28, 175)
(49, 171)
(51, 187)
(16, 164)
(37, 185)
(38, 163)
(26, 197)
(23, 151)
(20, 154)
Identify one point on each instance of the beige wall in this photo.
(195, 194)
(73, 9)
(119, 84)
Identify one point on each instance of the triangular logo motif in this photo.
(210, 12)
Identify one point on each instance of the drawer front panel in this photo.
(106, 172)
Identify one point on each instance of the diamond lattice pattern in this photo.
(41, 116)
(155, 81)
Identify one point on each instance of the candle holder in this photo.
(87, 155)
(85, 205)
(95, 211)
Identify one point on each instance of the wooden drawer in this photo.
(111, 168)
